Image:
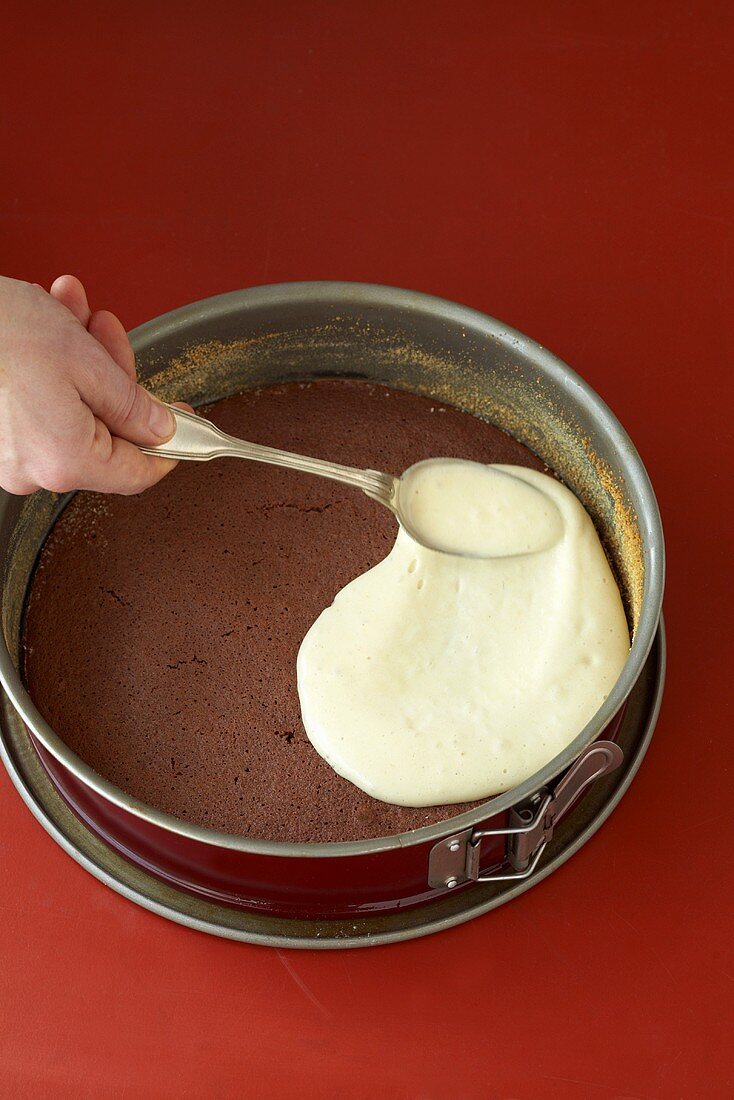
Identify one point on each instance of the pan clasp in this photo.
(456, 860)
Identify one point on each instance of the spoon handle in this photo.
(198, 440)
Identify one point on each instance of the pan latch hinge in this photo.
(456, 859)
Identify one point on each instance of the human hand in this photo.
(71, 410)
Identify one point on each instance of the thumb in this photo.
(127, 409)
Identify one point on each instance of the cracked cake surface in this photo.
(161, 632)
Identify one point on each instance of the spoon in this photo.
(434, 508)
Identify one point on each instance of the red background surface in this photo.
(567, 168)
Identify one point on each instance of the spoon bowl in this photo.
(475, 511)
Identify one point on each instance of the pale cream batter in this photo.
(435, 679)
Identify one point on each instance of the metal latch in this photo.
(529, 828)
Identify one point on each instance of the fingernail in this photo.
(160, 420)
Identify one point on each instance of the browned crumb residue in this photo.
(633, 576)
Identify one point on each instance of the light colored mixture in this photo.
(469, 508)
(435, 679)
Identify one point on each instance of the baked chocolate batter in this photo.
(162, 630)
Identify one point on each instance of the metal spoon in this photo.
(198, 440)
(442, 523)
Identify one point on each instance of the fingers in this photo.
(104, 326)
(116, 466)
(128, 410)
(99, 462)
(127, 414)
(109, 331)
(68, 290)
(112, 395)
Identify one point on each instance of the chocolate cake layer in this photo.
(162, 631)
